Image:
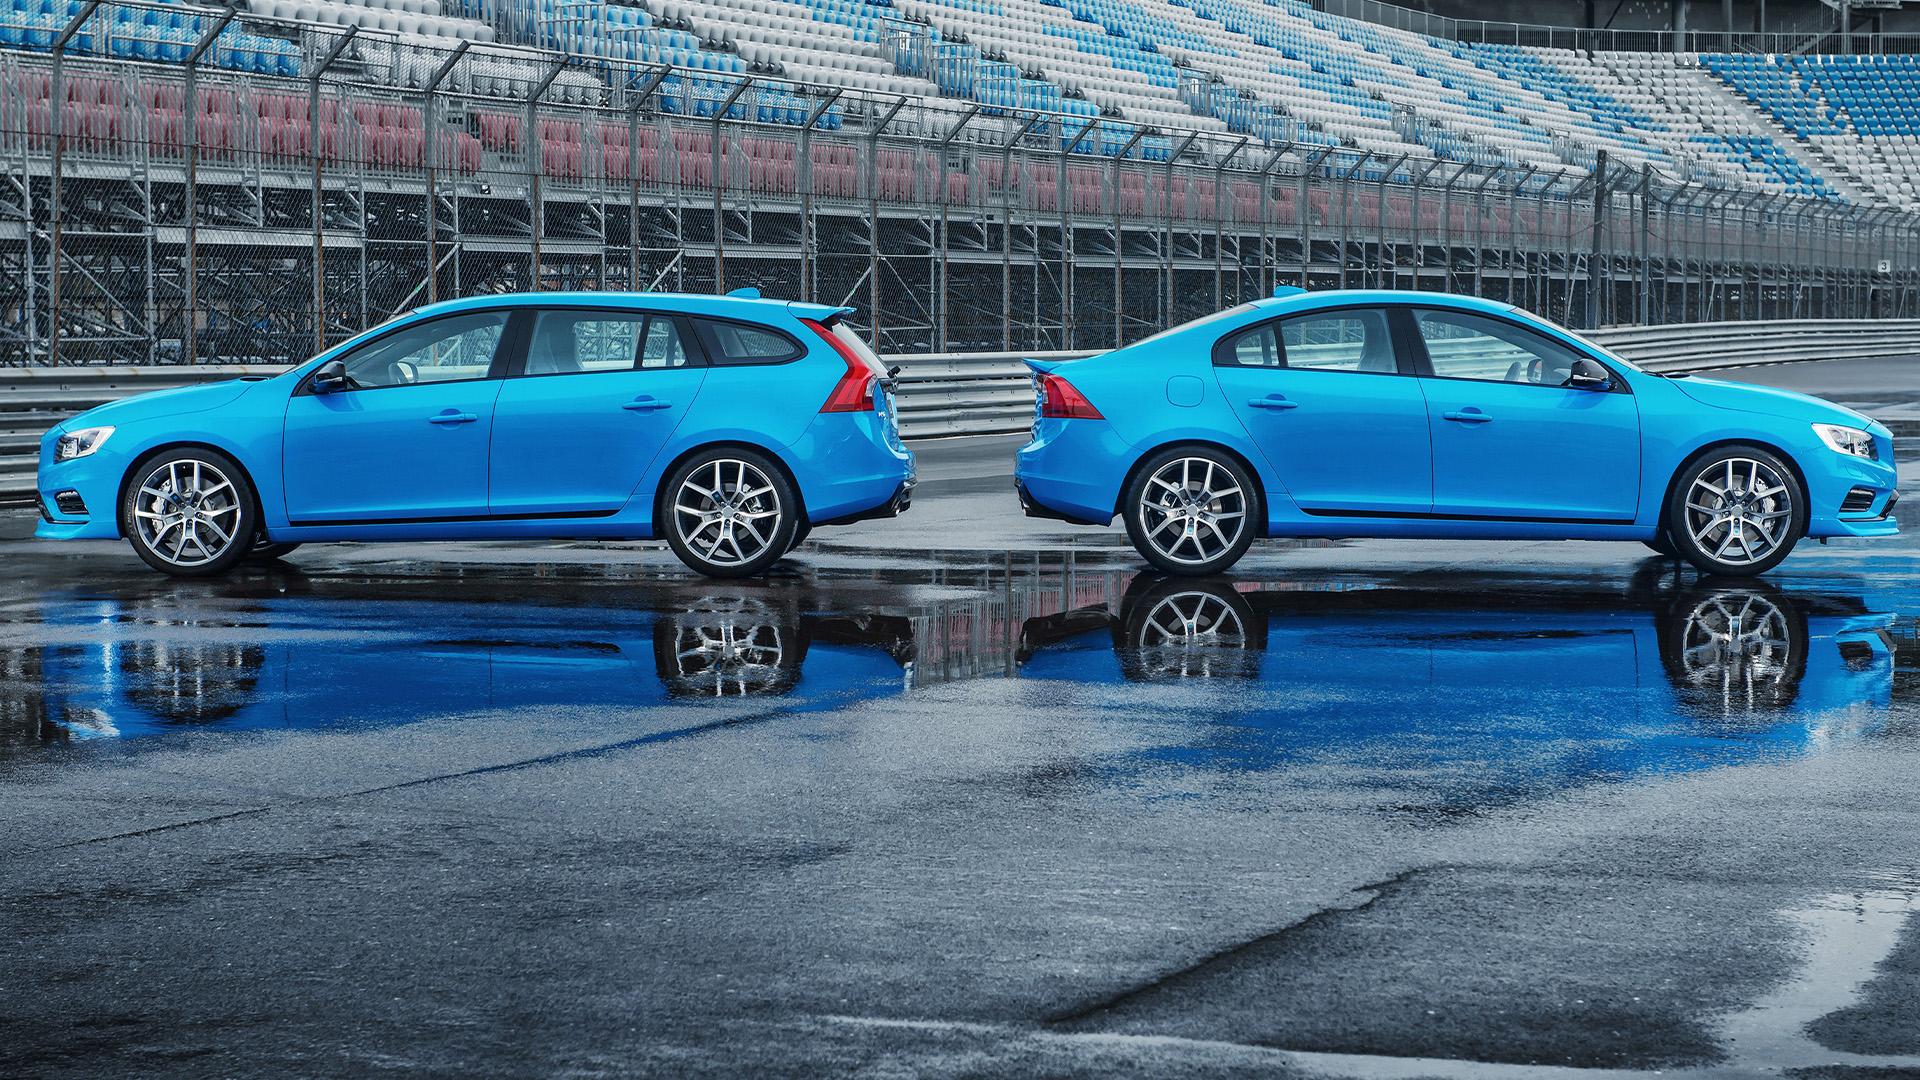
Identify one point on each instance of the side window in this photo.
(661, 347)
(1258, 347)
(439, 350)
(1462, 345)
(738, 343)
(567, 342)
(1350, 340)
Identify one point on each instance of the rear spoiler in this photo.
(1040, 367)
(824, 314)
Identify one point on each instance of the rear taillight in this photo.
(854, 391)
(1060, 400)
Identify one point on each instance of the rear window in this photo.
(743, 343)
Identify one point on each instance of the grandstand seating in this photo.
(1845, 128)
(1859, 114)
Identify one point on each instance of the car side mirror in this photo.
(1589, 375)
(330, 377)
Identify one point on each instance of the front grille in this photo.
(1858, 501)
(69, 503)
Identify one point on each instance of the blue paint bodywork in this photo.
(1367, 453)
(367, 465)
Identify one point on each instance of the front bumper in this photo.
(79, 499)
(1833, 488)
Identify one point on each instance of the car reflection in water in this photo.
(319, 661)
(1488, 688)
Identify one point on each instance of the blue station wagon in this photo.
(729, 426)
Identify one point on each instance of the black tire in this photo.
(1767, 503)
(734, 522)
(173, 500)
(1192, 502)
(800, 534)
(268, 551)
(1661, 545)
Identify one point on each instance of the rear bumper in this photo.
(900, 503)
(1072, 471)
(851, 469)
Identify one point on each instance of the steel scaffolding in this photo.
(178, 213)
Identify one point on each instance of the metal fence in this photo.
(177, 211)
(1821, 34)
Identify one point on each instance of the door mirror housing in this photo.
(330, 377)
(1589, 375)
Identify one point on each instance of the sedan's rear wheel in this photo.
(729, 512)
(1735, 511)
(1191, 511)
(189, 512)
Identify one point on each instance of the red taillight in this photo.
(1060, 400)
(854, 391)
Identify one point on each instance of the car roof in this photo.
(746, 307)
(1297, 300)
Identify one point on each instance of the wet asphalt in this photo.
(949, 796)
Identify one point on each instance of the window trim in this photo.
(503, 351)
(1402, 358)
(516, 367)
(1424, 360)
(711, 346)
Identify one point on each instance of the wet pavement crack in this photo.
(578, 754)
(1363, 897)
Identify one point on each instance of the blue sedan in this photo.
(730, 426)
(1357, 413)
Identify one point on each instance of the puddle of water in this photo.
(1846, 936)
(1454, 696)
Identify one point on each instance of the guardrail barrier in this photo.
(948, 394)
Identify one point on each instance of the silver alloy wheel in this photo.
(1739, 510)
(727, 512)
(1186, 517)
(1737, 644)
(187, 512)
(1178, 633)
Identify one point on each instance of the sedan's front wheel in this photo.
(729, 512)
(1735, 511)
(1191, 510)
(189, 512)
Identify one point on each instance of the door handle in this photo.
(1468, 416)
(1272, 401)
(452, 418)
(646, 404)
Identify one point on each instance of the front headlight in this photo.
(1845, 440)
(80, 443)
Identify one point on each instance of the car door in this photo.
(1324, 398)
(1510, 440)
(406, 439)
(585, 411)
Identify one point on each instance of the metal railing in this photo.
(950, 394)
(1820, 37)
(155, 213)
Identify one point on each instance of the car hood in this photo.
(1769, 401)
(178, 401)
